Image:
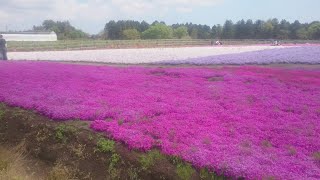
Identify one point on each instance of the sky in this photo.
(91, 15)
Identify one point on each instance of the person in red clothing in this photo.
(3, 48)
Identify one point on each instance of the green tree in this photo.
(130, 34)
(180, 32)
(63, 29)
(302, 33)
(158, 31)
(194, 33)
(240, 30)
(228, 30)
(294, 27)
(249, 29)
(314, 31)
(284, 31)
(267, 29)
(258, 29)
(216, 31)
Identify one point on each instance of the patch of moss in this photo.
(149, 160)
(185, 171)
(62, 131)
(105, 145)
(112, 169)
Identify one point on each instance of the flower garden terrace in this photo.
(241, 121)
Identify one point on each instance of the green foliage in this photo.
(130, 34)
(3, 165)
(106, 145)
(267, 29)
(2, 112)
(63, 29)
(185, 171)
(158, 31)
(228, 30)
(206, 175)
(133, 173)
(149, 160)
(302, 33)
(270, 29)
(112, 169)
(120, 122)
(314, 31)
(62, 131)
(180, 32)
(90, 137)
(114, 30)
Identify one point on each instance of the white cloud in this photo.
(25, 13)
(184, 10)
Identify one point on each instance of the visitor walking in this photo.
(3, 48)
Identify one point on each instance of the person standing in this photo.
(3, 48)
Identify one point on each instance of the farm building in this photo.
(30, 36)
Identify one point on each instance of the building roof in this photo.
(29, 32)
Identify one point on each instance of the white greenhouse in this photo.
(30, 36)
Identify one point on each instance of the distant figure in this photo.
(218, 42)
(276, 43)
(3, 48)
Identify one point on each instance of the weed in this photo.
(61, 133)
(216, 78)
(205, 174)
(175, 160)
(120, 122)
(42, 135)
(90, 137)
(206, 141)
(266, 144)
(60, 172)
(79, 150)
(292, 151)
(18, 113)
(133, 173)
(2, 112)
(148, 160)
(316, 156)
(113, 171)
(105, 145)
(185, 171)
(3, 165)
(12, 165)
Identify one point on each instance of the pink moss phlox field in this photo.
(248, 121)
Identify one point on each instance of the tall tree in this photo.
(240, 30)
(228, 30)
(294, 27)
(314, 31)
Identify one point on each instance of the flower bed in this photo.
(249, 121)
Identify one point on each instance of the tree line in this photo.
(243, 29)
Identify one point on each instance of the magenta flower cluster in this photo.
(249, 121)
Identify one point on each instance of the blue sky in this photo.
(91, 15)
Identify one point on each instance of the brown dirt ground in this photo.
(68, 150)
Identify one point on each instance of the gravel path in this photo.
(136, 56)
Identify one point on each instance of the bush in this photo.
(158, 31)
(130, 34)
